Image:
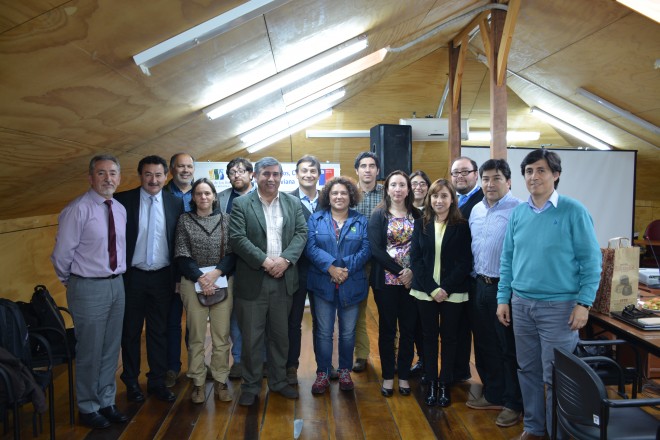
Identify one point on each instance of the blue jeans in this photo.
(236, 339)
(539, 327)
(326, 312)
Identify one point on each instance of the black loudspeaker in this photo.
(393, 146)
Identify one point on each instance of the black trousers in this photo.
(148, 296)
(449, 315)
(295, 323)
(419, 338)
(464, 333)
(494, 349)
(395, 305)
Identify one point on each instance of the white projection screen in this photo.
(604, 181)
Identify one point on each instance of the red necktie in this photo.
(112, 237)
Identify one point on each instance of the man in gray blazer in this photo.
(268, 234)
(239, 173)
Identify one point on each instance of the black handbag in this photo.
(218, 296)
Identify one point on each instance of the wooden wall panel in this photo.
(25, 258)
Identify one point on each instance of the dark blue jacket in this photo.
(352, 252)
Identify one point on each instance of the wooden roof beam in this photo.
(458, 77)
(507, 37)
(476, 21)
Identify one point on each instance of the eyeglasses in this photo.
(463, 173)
(420, 184)
(236, 172)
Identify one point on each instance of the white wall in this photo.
(604, 181)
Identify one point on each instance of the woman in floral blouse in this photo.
(390, 232)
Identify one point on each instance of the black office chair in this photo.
(43, 377)
(581, 407)
(61, 352)
(62, 342)
(588, 349)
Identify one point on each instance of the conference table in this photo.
(646, 340)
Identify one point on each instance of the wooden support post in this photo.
(498, 92)
(454, 97)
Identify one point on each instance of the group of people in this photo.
(446, 260)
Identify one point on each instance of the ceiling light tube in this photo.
(511, 136)
(335, 76)
(285, 78)
(281, 135)
(570, 129)
(292, 118)
(338, 133)
(203, 32)
(619, 111)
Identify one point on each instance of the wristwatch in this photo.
(584, 305)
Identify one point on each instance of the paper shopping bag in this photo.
(620, 276)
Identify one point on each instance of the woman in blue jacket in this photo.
(338, 250)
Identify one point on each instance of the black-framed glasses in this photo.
(463, 173)
(236, 172)
(420, 184)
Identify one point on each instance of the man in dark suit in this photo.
(151, 217)
(308, 172)
(182, 169)
(268, 233)
(465, 177)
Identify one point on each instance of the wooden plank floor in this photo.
(362, 414)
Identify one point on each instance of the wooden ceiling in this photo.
(70, 89)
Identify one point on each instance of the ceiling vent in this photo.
(432, 129)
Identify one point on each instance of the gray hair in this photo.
(266, 162)
(101, 157)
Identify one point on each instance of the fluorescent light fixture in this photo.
(338, 133)
(336, 76)
(282, 134)
(285, 78)
(203, 32)
(570, 129)
(511, 136)
(286, 120)
(312, 97)
(619, 111)
(650, 8)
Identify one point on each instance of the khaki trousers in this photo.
(198, 317)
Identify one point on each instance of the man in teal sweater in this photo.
(549, 273)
